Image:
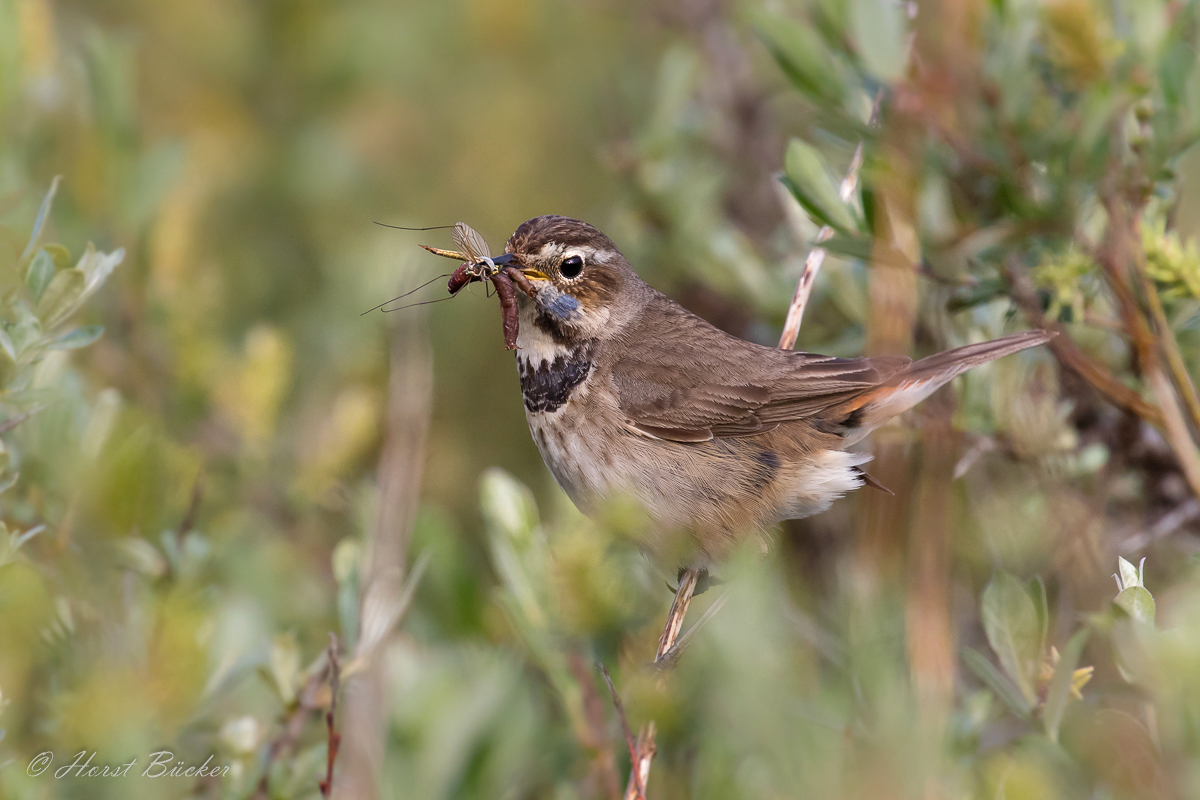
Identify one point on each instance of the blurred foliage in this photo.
(187, 498)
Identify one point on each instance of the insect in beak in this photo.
(503, 271)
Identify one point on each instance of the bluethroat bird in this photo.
(627, 394)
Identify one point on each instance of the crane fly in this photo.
(478, 265)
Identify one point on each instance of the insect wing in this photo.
(470, 242)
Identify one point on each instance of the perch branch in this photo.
(679, 607)
(671, 655)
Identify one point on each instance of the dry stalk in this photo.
(644, 750)
(1166, 340)
(1166, 525)
(1118, 257)
(669, 657)
(679, 607)
(384, 592)
(816, 256)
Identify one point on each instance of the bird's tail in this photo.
(922, 378)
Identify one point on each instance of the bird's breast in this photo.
(551, 370)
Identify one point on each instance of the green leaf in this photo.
(508, 505)
(61, 296)
(802, 56)
(6, 343)
(1010, 619)
(40, 222)
(60, 255)
(1037, 590)
(8, 361)
(808, 178)
(879, 30)
(25, 334)
(77, 337)
(40, 271)
(860, 247)
(1059, 693)
(1137, 602)
(1005, 689)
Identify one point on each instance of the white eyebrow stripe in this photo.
(589, 254)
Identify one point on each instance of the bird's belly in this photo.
(719, 491)
(577, 452)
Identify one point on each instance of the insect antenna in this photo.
(406, 294)
(422, 303)
(402, 228)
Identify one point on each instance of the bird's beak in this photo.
(510, 260)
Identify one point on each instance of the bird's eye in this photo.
(571, 267)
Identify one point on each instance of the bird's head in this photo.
(583, 286)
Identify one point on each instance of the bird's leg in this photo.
(679, 606)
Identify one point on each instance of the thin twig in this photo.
(1167, 524)
(639, 774)
(1117, 256)
(1166, 338)
(982, 445)
(308, 700)
(634, 772)
(12, 422)
(193, 510)
(335, 738)
(1072, 358)
(595, 735)
(816, 256)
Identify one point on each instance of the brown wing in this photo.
(694, 382)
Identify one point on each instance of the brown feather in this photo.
(742, 388)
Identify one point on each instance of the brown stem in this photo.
(1072, 358)
(308, 700)
(595, 737)
(335, 739)
(635, 777)
(1166, 339)
(644, 750)
(1117, 256)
